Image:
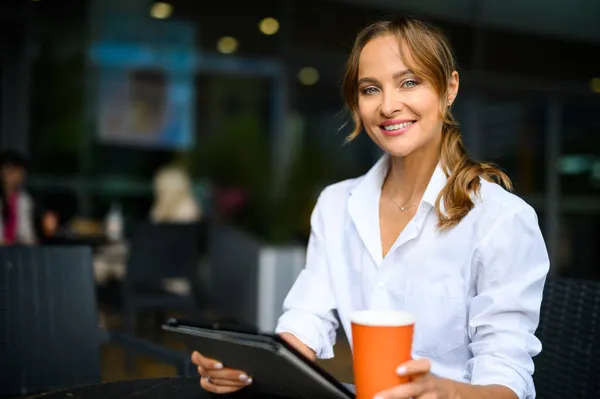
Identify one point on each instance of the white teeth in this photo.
(397, 126)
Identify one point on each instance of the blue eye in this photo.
(370, 90)
(409, 84)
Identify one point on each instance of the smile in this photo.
(396, 128)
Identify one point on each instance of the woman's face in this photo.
(399, 111)
(13, 176)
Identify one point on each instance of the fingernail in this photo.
(243, 377)
(249, 381)
(218, 366)
(378, 397)
(401, 370)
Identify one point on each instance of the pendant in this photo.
(402, 209)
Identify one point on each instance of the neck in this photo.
(409, 176)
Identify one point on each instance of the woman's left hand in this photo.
(423, 384)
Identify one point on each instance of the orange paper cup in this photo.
(382, 341)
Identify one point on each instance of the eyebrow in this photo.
(396, 76)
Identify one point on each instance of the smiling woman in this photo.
(401, 78)
(427, 231)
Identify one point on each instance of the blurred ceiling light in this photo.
(227, 45)
(268, 26)
(595, 85)
(161, 10)
(308, 76)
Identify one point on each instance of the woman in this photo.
(16, 216)
(174, 199)
(174, 203)
(427, 230)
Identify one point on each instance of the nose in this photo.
(390, 104)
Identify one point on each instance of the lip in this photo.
(398, 132)
(395, 122)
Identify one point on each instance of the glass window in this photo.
(58, 101)
(580, 158)
(578, 254)
(579, 169)
(512, 135)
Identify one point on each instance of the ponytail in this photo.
(463, 174)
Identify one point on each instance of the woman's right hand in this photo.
(218, 379)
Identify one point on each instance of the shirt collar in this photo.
(436, 184)
(373, 181)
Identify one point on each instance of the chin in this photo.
(397, 153)
(395, 149)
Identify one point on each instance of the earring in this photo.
(449, 102)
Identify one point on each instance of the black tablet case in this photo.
(276, 368)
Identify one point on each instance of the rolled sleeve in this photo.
(310, 304)
(315, 332)
(503, 316)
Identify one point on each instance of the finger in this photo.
(226, 374)
(204, 373)
(219, 377)
(196, 358)
(205, 362)
(230, 383)
(411, 390)
(221, 389)
(414, 367)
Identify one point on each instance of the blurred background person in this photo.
(173, 197)
(174, 202)
(50, 224)
(17, 208)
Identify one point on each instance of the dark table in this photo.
(154, 388)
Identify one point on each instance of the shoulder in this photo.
(495, 206)
(493, 195)
(188, 210)
(331, 208)
(511, 243)
(336, 194)
(25, 199)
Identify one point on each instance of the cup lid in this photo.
(386, 318)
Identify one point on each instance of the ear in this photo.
(453, 87)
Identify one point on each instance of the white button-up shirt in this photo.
(475, 290)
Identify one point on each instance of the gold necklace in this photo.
(402, 208)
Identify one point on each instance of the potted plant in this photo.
(258, 242)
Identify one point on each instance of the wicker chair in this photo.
(49, 332)
(569, 365)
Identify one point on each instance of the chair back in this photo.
(49, 335)
(569, 364)
(164, 250)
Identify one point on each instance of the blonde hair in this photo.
(432, 60)
(174, 198)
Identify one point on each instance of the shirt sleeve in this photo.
(310, 304)
(512, 264)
